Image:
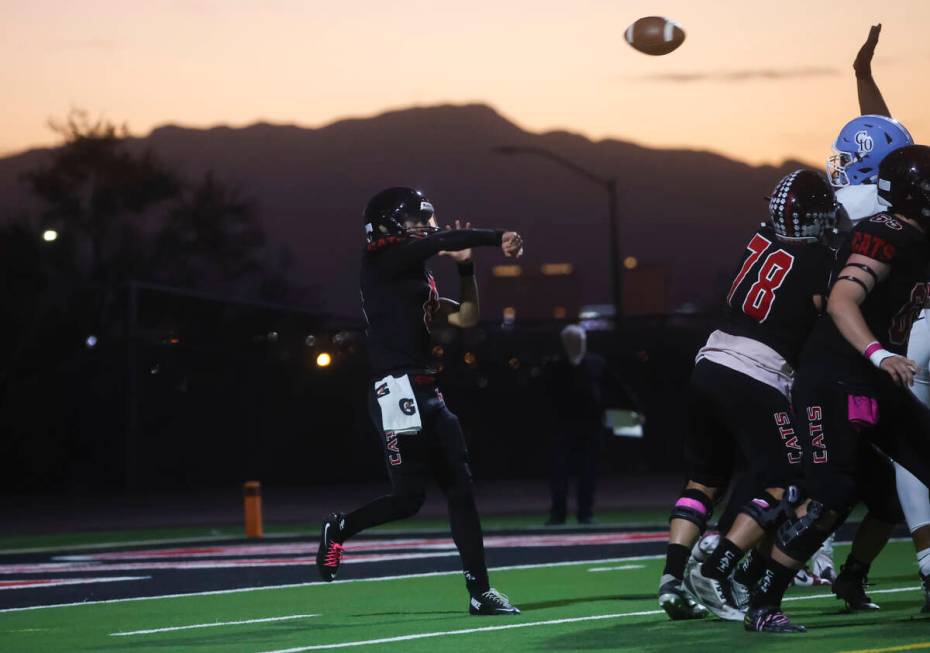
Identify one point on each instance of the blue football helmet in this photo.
(862, 144)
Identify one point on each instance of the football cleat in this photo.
(676, 602)
(740, 594)
(491, 602)
(770, 620)
(821, 564)
(804, 578)
(713, 594)
(329, 555)
(705, 546)
(850, 586)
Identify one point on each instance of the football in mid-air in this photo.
(655, 35)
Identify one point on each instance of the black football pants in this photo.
(438, 451)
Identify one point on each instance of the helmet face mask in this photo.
(836, 168)
(802, 207)
(415, 225)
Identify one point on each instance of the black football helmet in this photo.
(904, 183)
(389, 212)
(802, 206)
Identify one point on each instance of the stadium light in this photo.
(323, 359)
(90, 341)
(50, 235)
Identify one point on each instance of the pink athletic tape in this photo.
(685, 502)
(863, 411)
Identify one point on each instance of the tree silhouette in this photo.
(209, 236)
(133, 218)
(96, 188)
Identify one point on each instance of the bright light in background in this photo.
(506, 270)
(50, 235)
(556, 269)
(630, 262)
(91, 341)
(324, 360)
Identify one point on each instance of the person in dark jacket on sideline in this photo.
(580, 387)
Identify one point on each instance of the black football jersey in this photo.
(400, 298)
(892, 306)
(771, 296)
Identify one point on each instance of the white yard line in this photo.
(529, 624)
(214, 624)
(831, 595)
(116, 545)
(341, 582)
(620, 568)
(466, 631)
(58, 582)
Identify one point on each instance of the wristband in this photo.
(467, 269)
(876, 353)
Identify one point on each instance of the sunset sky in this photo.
(760, 81)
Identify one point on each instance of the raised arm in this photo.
(870, 97)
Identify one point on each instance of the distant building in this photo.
(554, 291)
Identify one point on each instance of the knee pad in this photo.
(800, 537)
(693, 506)
(766, 510)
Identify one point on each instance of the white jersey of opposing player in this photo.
(914, 496)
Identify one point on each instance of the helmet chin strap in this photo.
(860, 201)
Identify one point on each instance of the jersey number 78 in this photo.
(772, 271)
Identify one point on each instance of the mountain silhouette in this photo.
(687, 212)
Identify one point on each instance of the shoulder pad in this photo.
(878, 237)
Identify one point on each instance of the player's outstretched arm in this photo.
(851, 288)
(870, 97)
(416, 251)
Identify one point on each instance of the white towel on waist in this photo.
(399, 410)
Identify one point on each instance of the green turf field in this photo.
(566, 608)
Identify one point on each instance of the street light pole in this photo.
(613, 213)
(616, 273)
